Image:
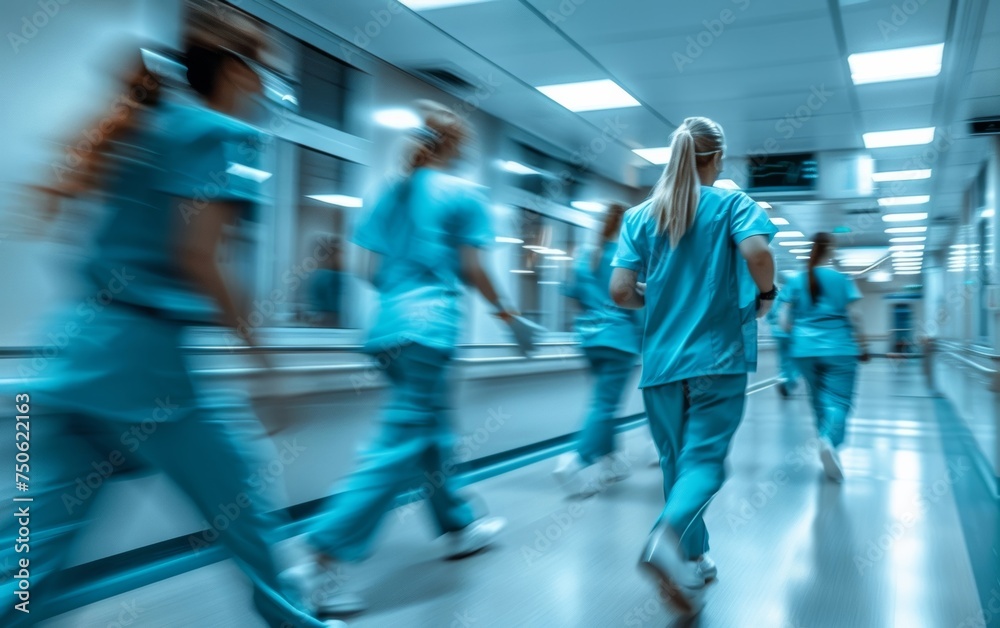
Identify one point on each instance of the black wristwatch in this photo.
(770, 295)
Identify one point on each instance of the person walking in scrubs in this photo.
(825, 322)
(424, 234)
(709, 274)
(788, 373)
(610, 337)
(120, 396)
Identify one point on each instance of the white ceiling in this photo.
(762, 66)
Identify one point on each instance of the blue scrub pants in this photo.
(692, 422)
(414, 447)
(831, 389)
(611, 370)
(788, 372)
(205, 455)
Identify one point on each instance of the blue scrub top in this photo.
(700, 297)
(602, 323)
(822, 328)
(180, 152)
(121, 357)
(418, 227)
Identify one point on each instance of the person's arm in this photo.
(626, 291)
(197, 252)
(474, 274)
(857, 325)
(757, 252)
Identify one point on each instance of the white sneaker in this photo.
(706, 568)
(678, 579)
(570, 473)
(324, 589)
(477, 536)
(831, 461)
(614, 468)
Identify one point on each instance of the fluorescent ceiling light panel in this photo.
(861, 256)
(796, 243)
(988, 213)
(789, 234)
(800, 251)
(915, 229)
(517, 168)
(397, 118)
(801, 257)
(902, 137)
(907, 239)
(522, 272)
(896, 254)
(590, 95)
(892, 201)
(726, 184)
(658, 156)
(337, 199)
(561, 258)
(896, 65)
(588, 206)
(427, 5)
(908, 272)
(779, 221)
(509, 240)
(246, 172)
(907, 247)
(901, 175)
(905, 217)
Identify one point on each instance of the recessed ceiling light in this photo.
(988, 213)
(763, 204)
(800, 251)
(588, 206)
(907, 247)
(726, 184)
(915, 229)
(908, 239)
(337, 199)
(796, 243)
(779, 221)
(508, 240)
(801, 257)
(427, 5)
(891, 201)
(590, 95)
(895, 65)
(896, 254)
(658, 156)
(901, 175)
(522, 272)
(517, 168)
(904, 217)
(397, 118)
(902, 137)
(789, 234)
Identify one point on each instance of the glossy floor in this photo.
(886, 548)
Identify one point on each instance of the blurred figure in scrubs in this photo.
(425, 235)
(788, 373)
(611, 337)
(700, 248)
(824, 318)
(326, 284)
(120, 396)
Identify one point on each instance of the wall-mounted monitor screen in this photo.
(784, 172)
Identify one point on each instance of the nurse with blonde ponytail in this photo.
(709, 275)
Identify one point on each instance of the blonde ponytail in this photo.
(676, 195)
